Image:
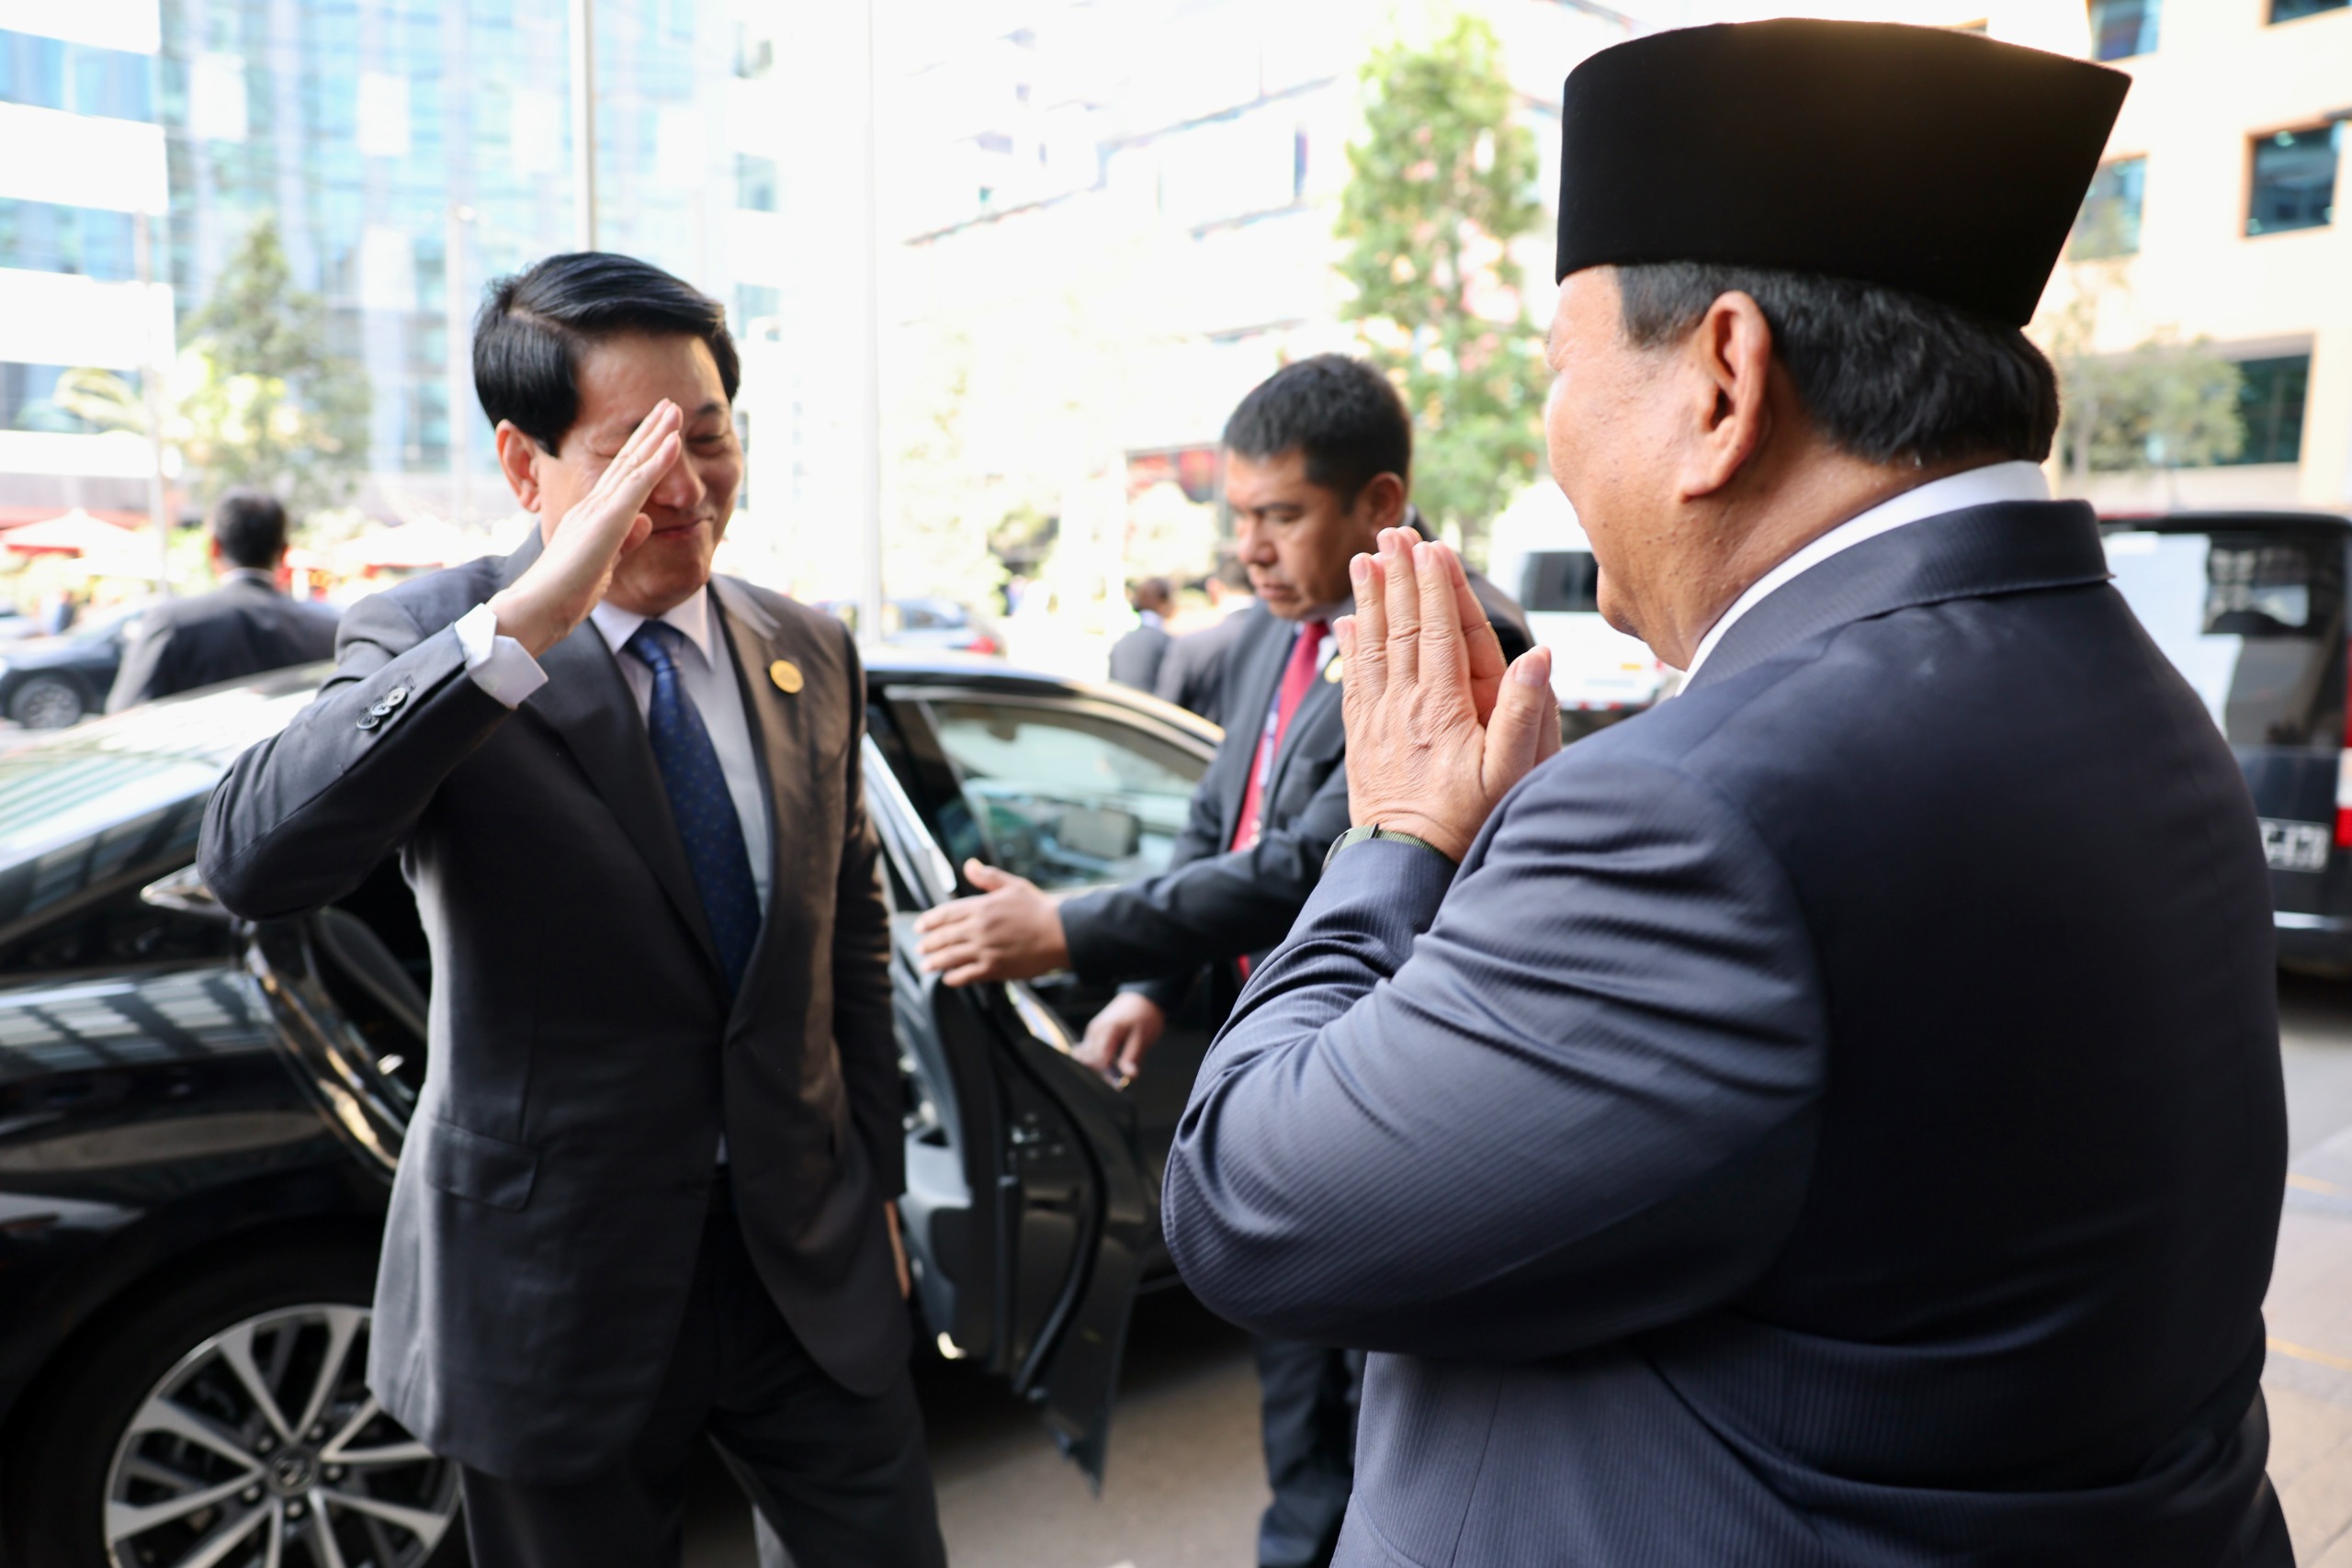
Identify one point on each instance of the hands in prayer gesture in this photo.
(1439, 727)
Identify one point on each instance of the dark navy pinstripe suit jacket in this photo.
(1834, 1118)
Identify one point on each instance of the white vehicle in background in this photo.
(1539, 554)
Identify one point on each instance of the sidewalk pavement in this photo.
(2308, 1378)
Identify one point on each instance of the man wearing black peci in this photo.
(1833, 1118)
(646, 1196)
(1318, 460)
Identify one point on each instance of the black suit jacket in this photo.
(243, 628)
(1832, 1118)
(1211, 906)
(1192, 672)
(585, 1051)
(1134, 657)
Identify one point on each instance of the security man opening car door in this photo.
(1832, 1119)
(1319, 461)
(647, 1193)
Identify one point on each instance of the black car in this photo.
(2250, 607)
(49, 682)
(200, 1121)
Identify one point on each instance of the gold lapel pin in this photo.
(787, 676)
(1336, 670)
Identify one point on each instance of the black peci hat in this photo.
(1938, 162)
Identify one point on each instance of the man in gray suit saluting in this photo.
(646, 1195)
(1835, 1117)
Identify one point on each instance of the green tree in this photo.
(2162, 404)
(257, 397)
(1439, 189)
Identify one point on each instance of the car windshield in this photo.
(2254, 621)
(86, 805)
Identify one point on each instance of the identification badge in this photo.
(787, 676)
(1336, 670)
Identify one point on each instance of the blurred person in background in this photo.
(1835, 1116)
(1192, 674)
(246, 626)
(1134, 657)
(1319, 461)
(648, 1197)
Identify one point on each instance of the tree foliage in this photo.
(1441, 186)
(2163, 404)
(257, 397)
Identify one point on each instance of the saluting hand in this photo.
(1439, 727)
(1012, 932)
(571, 575)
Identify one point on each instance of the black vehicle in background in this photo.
(199, 1120)
(2250, 607)
(49, 682)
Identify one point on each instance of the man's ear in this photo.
(518, 459)
(1728, 370)
(1381, 502)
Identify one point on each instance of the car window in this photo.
(1560, 580)
(1065, 796)
(2254, 620)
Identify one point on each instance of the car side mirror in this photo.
(184, 891)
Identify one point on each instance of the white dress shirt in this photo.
(502, 667)
(1975, 487)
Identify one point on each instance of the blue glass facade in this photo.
(385, 134)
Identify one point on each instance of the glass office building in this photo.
(409, 152)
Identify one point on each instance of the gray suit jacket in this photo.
(1833, 1118)
(1134, 657)
(243, 628)
(585, 1054)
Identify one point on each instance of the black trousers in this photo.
(843, 1481)
(1307, 1395)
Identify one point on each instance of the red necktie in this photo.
(1297, 676)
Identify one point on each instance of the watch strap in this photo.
(1371, 830)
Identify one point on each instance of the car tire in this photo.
(48, 702)
(156, 1397)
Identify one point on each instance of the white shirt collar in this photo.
(691, 617)
(2017, 480)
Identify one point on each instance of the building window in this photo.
(2270, 401)
(2122, 29)
(37, 236)
(2108, 224)
(755, 183)
(28, 400)
(49, 73)
(2294, 180)
(754, 301)
(2295, 10)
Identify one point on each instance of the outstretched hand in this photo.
(572, 574)
(1013, 931)
(1439, 726)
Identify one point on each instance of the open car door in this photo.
(1028, 1207)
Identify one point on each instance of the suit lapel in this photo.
(1265, 649)
(590, 705)
(780, 740)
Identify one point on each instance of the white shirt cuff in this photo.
(499, 665)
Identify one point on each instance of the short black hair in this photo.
(251, 528)
(1342, 412)
(528, 336)
(1887, 376)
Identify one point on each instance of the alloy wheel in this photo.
(263, 1449)
(47, 705)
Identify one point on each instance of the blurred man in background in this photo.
(1134, 657)
(1192, 674)
(243, 628)
(1319, 461)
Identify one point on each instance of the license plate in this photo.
(2295, 846)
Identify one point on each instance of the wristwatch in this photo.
(1375, 830)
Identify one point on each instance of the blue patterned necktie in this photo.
(705, 811)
